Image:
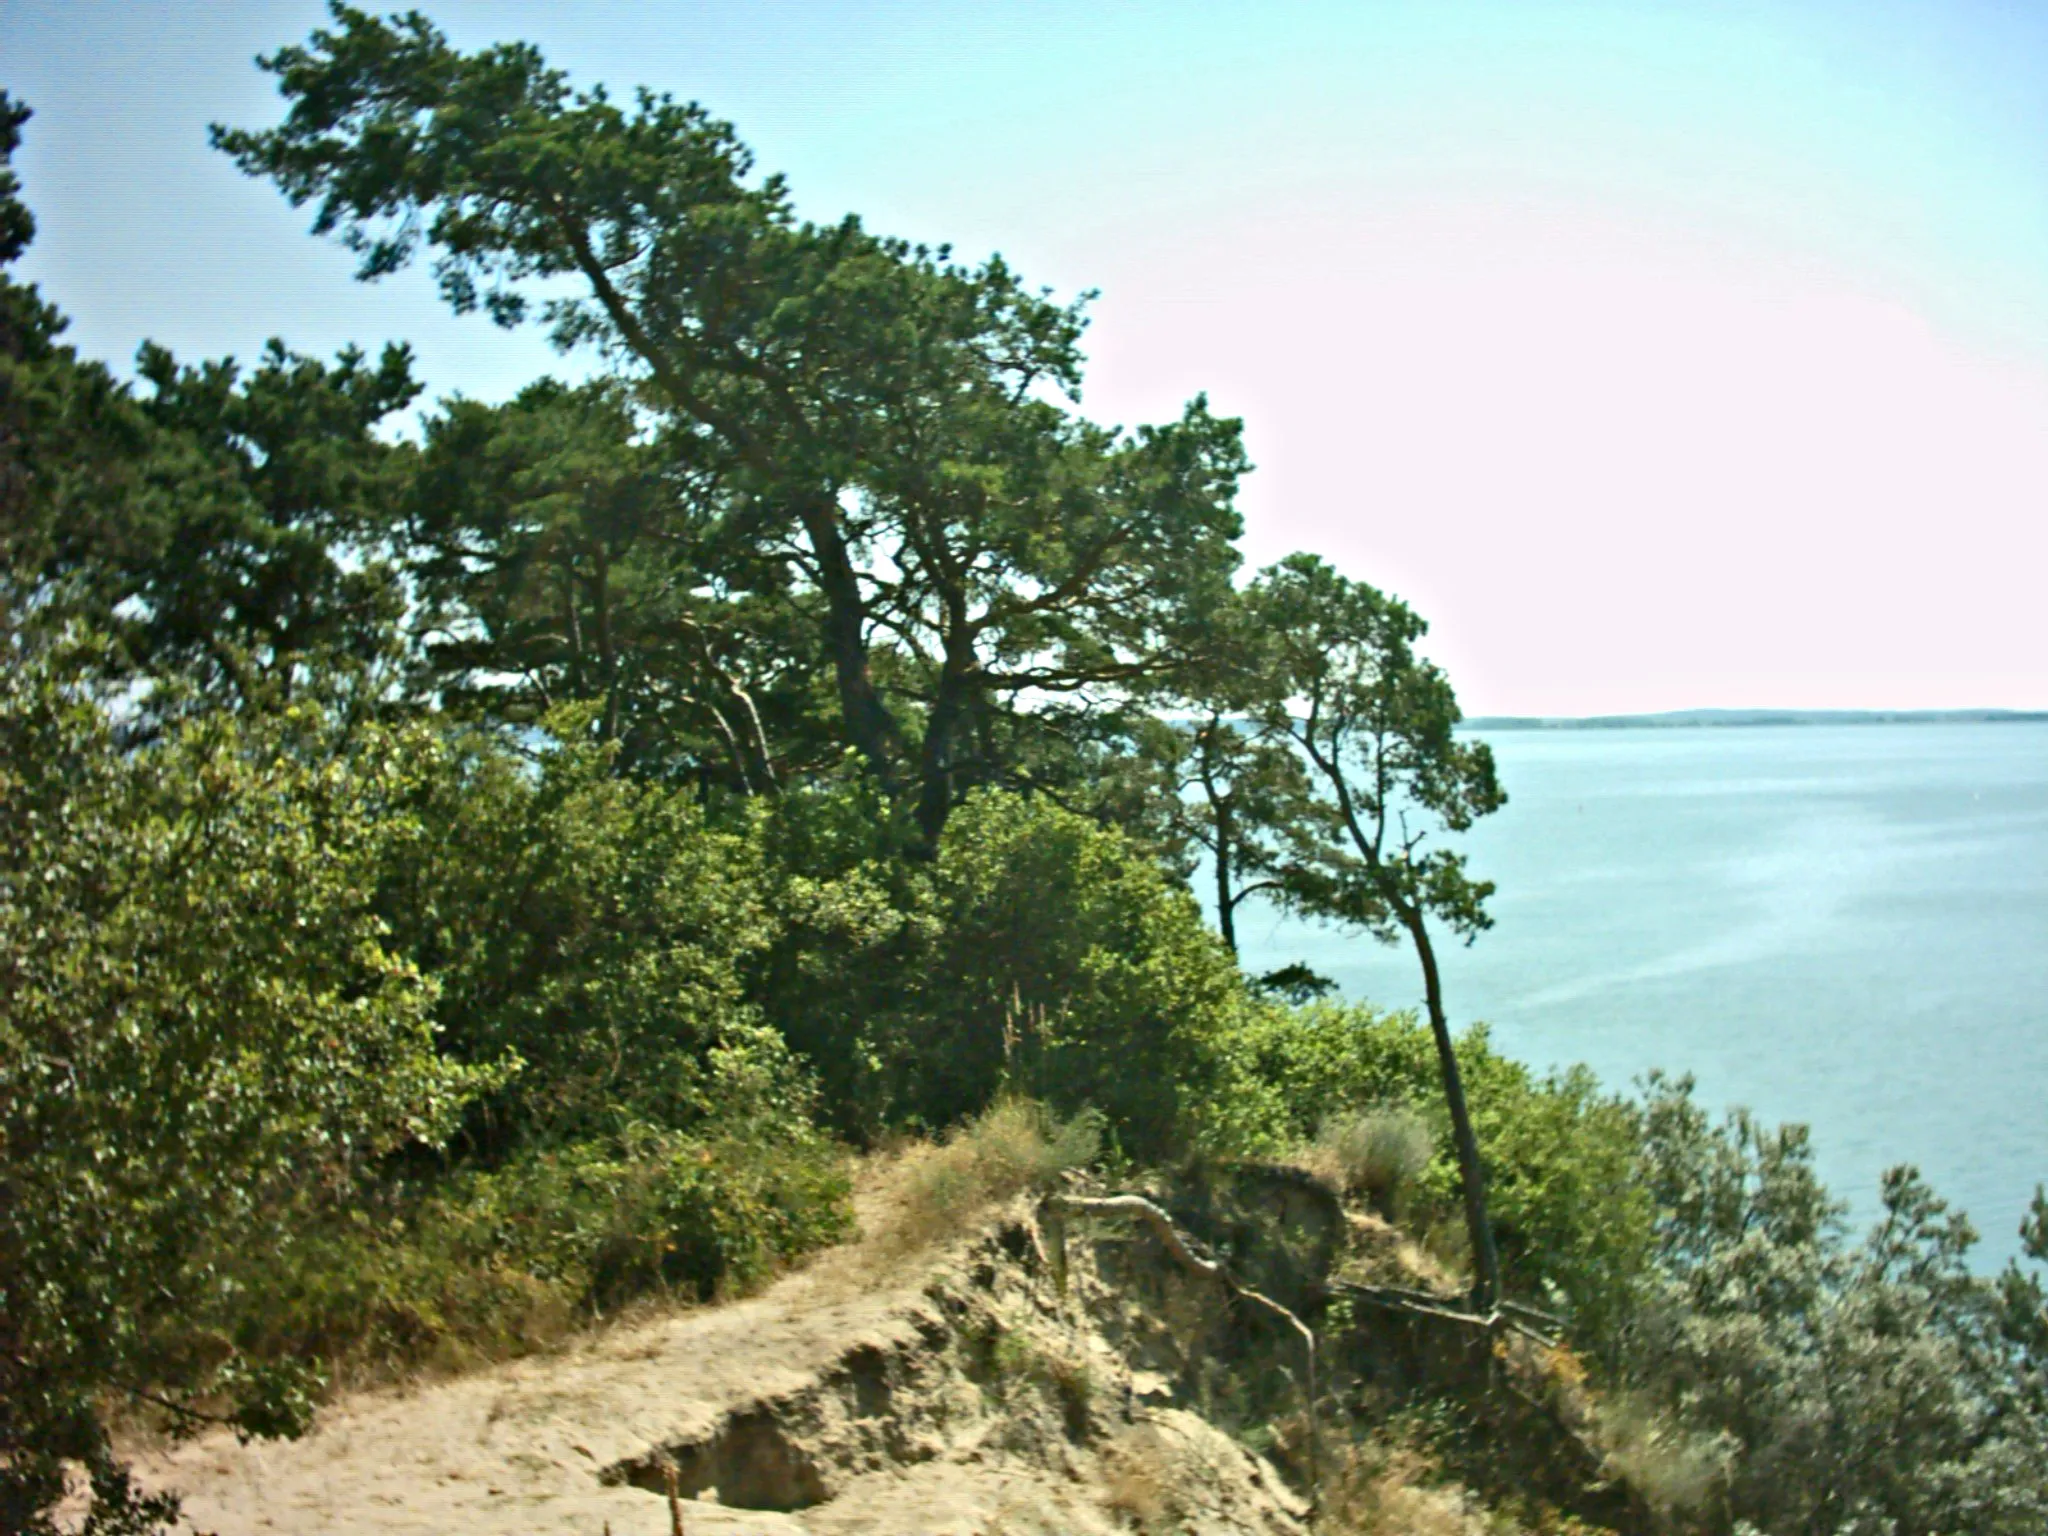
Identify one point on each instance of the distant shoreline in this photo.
(1696, 718)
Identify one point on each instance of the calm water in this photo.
(1846, 925)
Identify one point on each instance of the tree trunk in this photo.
(935, 757)
(868, 721)
(1226, 904)
(1471, 1174)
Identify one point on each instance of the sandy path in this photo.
(517, 1448)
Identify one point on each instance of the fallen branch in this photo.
(1508, 1315)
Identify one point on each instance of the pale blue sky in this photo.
(1663, 354)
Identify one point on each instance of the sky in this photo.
(1662, 355)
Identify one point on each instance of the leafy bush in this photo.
(651, 1209)
(592, 926)
(852, 921)
(1066, 964)
(1569, 1199)
(204, 1037)
(1873, 1387)
(1038, 953)
(483, 1263)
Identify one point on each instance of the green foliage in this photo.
(227, 527)
(1571, 1206)
(592, 926)
(1571, 1203)
(487, 1262)
(17, 224)
(1241, 797)
(1341, 683)
(1057, 959)
(449, 904)
(73, 444)
(1329, 677)
(483, 1263)
(265, 564)
(1868, 1387)
(563, 552)
(858, 433)
(203, 1035)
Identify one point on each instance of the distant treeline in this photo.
(1713, 717)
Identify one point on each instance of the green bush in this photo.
(487, 1263)
(205, 1041)
(1327, 1060)
(1055, 958)
(1570, 1202)
(853, 922)
(589, 925)
(1879, 1386)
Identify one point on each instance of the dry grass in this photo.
(1380, 1253)
(1378, 1153)
(1013, 1146)
(1387, 1491)
(1676, 1472)
(1136, 1486)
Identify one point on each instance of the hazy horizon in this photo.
(1862, 714)
(1660, 356)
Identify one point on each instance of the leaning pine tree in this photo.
(1339, 681)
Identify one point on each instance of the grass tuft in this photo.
(1013, 1146)
(1378, 1153)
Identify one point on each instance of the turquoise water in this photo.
(1841, 924)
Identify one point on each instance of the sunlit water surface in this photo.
(1840, 924)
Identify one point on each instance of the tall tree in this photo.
(224, 524)
(560, 552)
(277, 500)
(1241, 797)
(73, 444)
(1374, 722)
(880, 415)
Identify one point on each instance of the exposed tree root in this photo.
(1054, 1208)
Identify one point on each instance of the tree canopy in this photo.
(465, 866)
(881, 434)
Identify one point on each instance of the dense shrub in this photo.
(1570, 1203)
(1872, 1387)
(1058, 959)
(204, 1039)
(1038, 951)
(484, 1262)
(245, 967)
(852, 920)
(589, 925)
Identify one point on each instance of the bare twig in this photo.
(675, 1503)
(1511, 1315)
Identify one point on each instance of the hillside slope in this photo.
(950, 1388)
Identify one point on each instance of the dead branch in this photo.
(1509, 1315)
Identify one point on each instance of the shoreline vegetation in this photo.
(460, 891)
